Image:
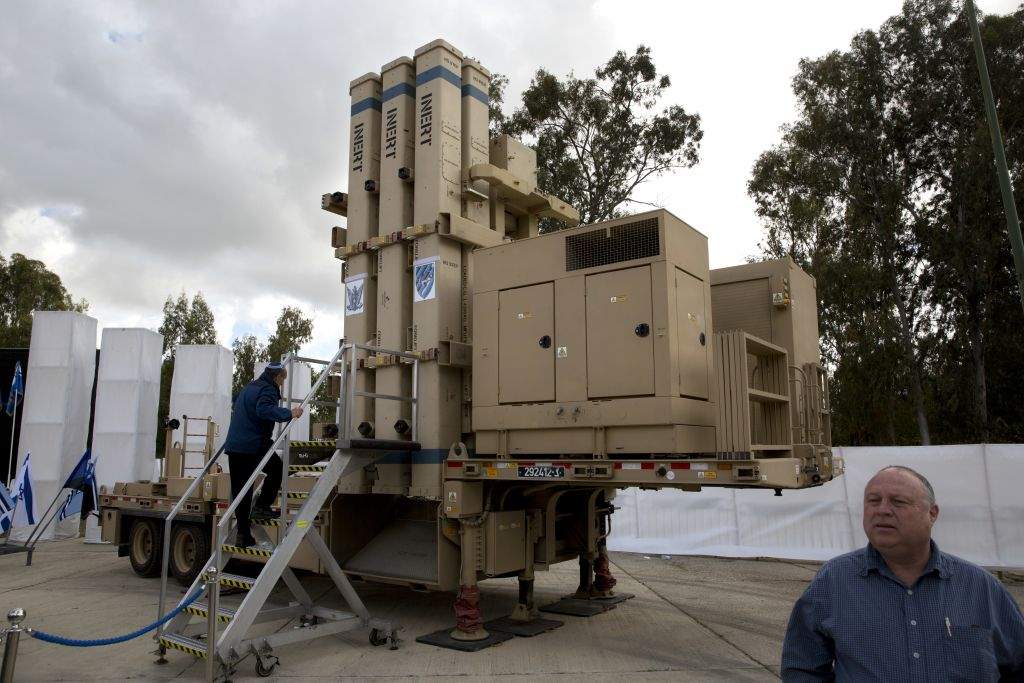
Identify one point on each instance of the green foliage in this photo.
(26, 285)
(186, 323)
(495, 104)
(293, 330)
(598, 139)
(248, 351)
(883, 188)
(183, 323)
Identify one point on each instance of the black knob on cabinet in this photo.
(401, 426)
(642, 330)
(545, 342)
(703, 339)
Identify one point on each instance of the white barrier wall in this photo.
(302, 382)
(201, 387)
(127, 397)
(55, 421)
(978, 490)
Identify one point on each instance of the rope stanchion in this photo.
(73, 642)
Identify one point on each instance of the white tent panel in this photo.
(1005, 473)
(127, 395)
(55, 417)
(201, 387)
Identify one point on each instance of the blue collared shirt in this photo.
(858, 622)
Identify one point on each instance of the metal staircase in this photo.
(227, 631)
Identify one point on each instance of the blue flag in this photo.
(24, 503)
(17, 390)
(83, 479)
(6, 509)
(72, 505)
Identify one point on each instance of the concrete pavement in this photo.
(694, 619)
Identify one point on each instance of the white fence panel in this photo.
(978, 488)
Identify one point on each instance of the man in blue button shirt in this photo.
(901, 609)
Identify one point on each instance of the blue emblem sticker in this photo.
(425, 279)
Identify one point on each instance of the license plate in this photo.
(534, 472)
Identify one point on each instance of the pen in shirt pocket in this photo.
(949, 628)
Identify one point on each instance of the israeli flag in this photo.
(6, 509)
(17, 390)
(24, 502)
(72, 505)
(82, 480)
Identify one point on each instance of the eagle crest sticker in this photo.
(355, 294)
(424, 272)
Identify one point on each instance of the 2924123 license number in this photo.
(541, 472)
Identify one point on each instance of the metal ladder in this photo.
(233, 643)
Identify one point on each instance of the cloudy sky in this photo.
(151, 148)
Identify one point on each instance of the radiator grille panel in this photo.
(603, 246)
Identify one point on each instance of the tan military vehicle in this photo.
(495, 386)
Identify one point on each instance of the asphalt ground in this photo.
(693, 619)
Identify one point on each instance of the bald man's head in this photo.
(899, 510)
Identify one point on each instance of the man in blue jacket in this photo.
(250, 436)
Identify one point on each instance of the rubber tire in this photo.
(264, 671)
(200, 540)
(377, 638)
(145, 547)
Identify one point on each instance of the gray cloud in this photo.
(151, 147)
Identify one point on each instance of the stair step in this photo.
(200, 609)
(319, 467)
(319, 444)
(251, 551)
(196, 648)
(278, 523)
(235, 581)
(298, 495)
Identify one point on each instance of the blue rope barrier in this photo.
(73, 642)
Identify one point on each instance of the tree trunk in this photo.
(916, 390)
(980, 385)
(891, 422)
(976, 315)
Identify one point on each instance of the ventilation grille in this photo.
(612, 245)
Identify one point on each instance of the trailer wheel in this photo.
(190, 548)
(144, 547)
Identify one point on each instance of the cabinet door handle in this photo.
(545, 342)
(642, 330)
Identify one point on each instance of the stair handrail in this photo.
(226, 517)
(221, 527)
(166, 553)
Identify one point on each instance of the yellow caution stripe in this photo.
(239, 550)
(298, 495)
(278, 523)
(194, 651)
(237, 581)
(322, 443)
(201, 611)
(307, 468)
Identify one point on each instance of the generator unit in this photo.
(595, 341)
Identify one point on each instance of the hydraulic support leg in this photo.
(469, 624)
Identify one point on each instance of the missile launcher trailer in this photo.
(496, 386)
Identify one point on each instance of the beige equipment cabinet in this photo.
(777, 302)
(595, 341)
